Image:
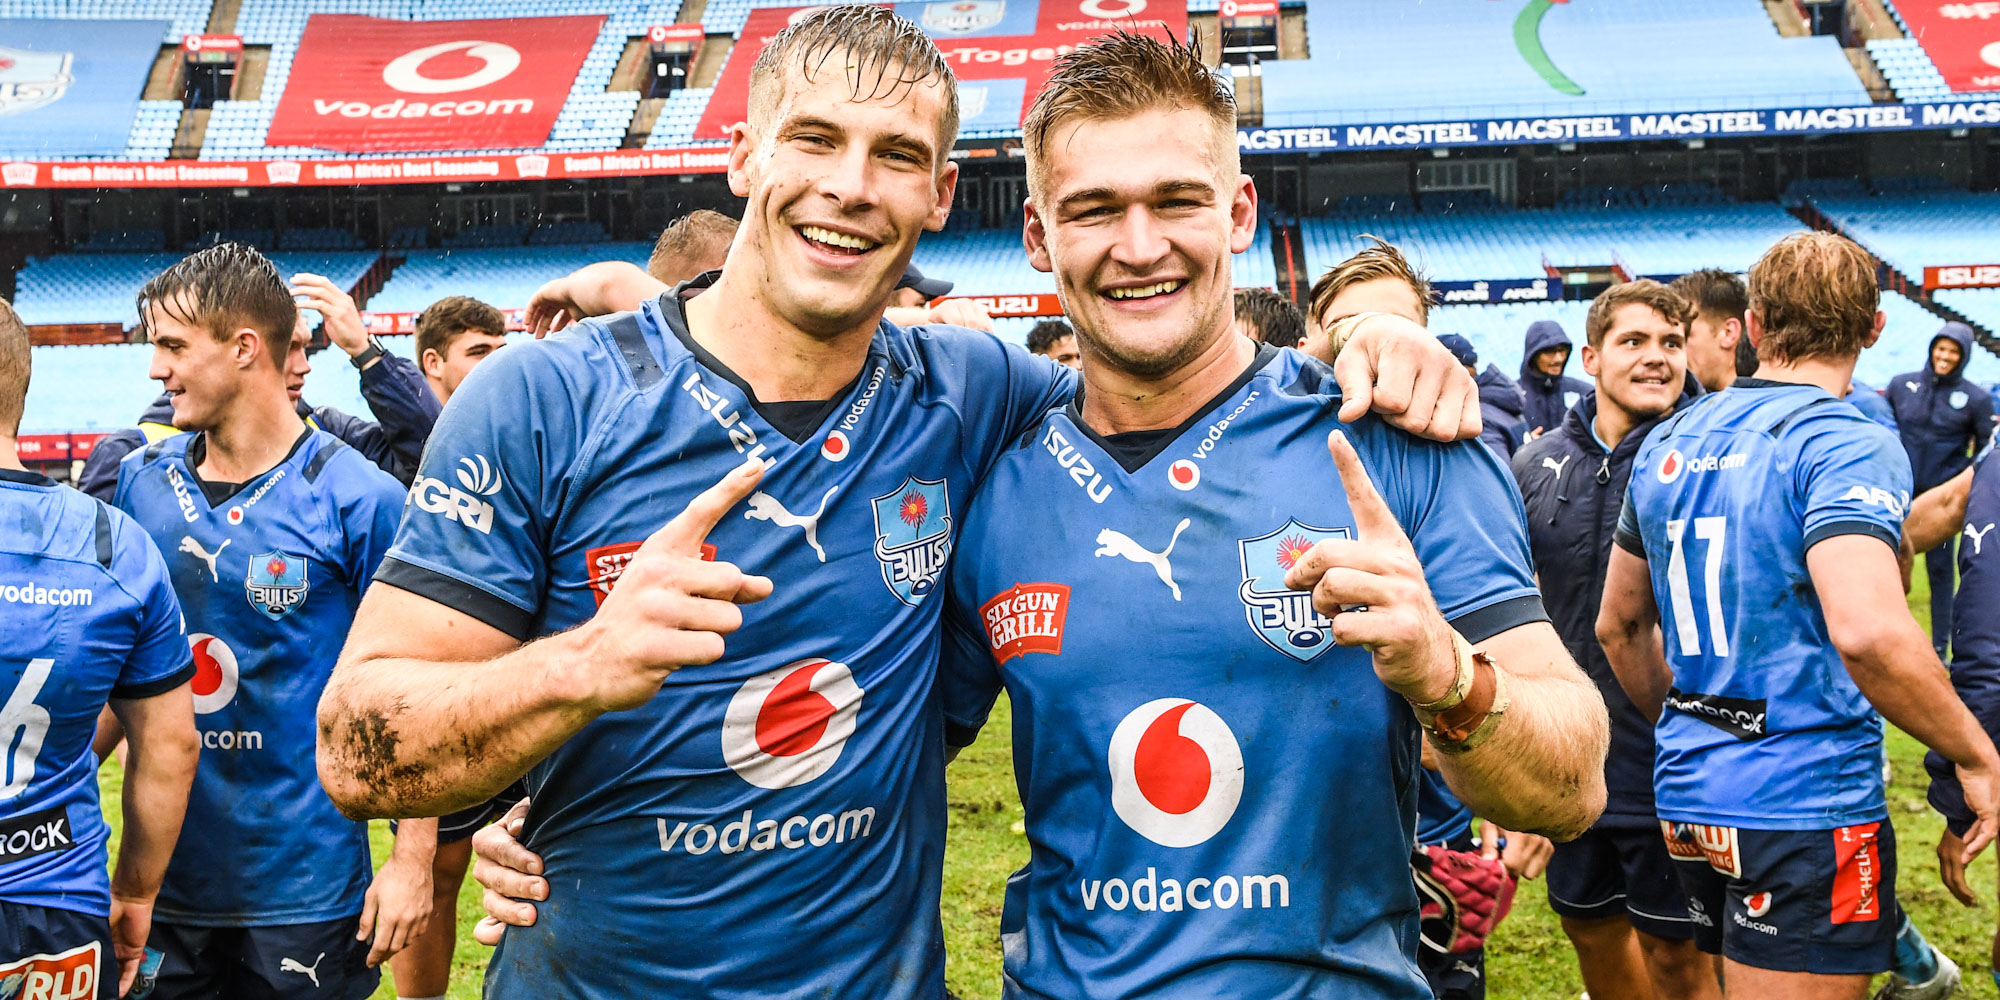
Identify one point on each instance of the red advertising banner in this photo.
(383, 324)
(407, 170)
(1962, 38)
(1038, 304)
(212, 43)
(661, 34)
(370, 84)
(1249, 8)
(1962, 276)
(1000, 50)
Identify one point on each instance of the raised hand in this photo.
(670, 608)
(338, 315)
(1396, 368)
(1372, 587)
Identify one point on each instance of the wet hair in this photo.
(1124, 74)
(223, 289)
(1814, 295)
(1645, 292)
(695, 243)
(1382, 260)
(14, 365)
(444, 320)
(1717, 295)
(1271, 318)
(1042, 338)
(882, 55)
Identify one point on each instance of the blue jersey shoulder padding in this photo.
(90, 616)
(1221, 802)
(1763, 728)
(269, 578)
(801, 775)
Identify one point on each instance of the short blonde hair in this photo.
(884, 54)
(1813, 295)
(1382, 260)
(1120, 75)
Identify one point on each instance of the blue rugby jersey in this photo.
(771, 824)
(269, 578)
(89, 617)
(1763, 728)
(1220, 801)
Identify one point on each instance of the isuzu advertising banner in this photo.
(1000, 50)
(371, 84)
(71, 88)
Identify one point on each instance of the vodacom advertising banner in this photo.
(369, 84)
(1962, 38)
(1001, 50)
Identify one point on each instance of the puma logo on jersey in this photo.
(193, 548)
(1978, 536)
(1111, 542)
(1550, 463)
(309, 971)
(765, 507)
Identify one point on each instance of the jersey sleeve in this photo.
(1463, 515)
(1852, 478)
(368, 521)
(159, 660)
(475, 532)
(407, 409)
(968, 679)
(1010, 387)
(1628, 535)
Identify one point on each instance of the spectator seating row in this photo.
(1912, 230)
(678, 118)
(184, 17)
(506, 278)
(102, 287)
(1909, 70)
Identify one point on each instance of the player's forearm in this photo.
(1900, 675)
(154, 801)
(416, 841)
(612, 286)
(1938, 513)
(1542, 770)
(1640, 666)
(402, 737)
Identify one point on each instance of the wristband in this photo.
(1471, 710)
(375, 350)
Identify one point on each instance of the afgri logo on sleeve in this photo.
(786, 727)
(1176, 772)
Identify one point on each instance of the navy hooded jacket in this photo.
(1501, 413)
(1941, 417)
(393, 387)
(1573, 490)
(1547, 397)
(1975, 635)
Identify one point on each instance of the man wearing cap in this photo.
(1501, 405)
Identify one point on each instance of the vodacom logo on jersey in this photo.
(1176, 772)
(216, 678)
(787, 726)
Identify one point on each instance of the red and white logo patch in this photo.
(235, 515)
(836, 447)
(1757, 904)
(215, 673)
(606, 563)
(1702, 842)
(1025, 618)
(1176, 772)
(1857, 874)
(71, 975)
(1184, 475)
(1671, 466)
(787, 726)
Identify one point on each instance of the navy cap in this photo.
(930, 288)
(1460, 348)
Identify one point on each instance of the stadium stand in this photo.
(1909, 70)
(503, 277)
(98, 388)
(678, 118)
(1980, 305)
(1375, 62)
(101, 287)
(1924, 224)
(185, 17)
(1493, 244)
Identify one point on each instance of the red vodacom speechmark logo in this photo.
(1184, 475)
(1671, 466)
(1757, 904)
(836, 447)
(1176, 772)
(215, 674)
(787, 726)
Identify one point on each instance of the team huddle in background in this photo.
(677, 614)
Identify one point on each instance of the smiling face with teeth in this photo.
(1137, 217)
(1639, 362)
(839, 187)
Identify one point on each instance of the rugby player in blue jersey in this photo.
(1760, 536)
(772, 821)
(91, 619)
(274, 530)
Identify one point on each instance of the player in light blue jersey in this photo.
(274, 530)
(771, 824)
(1760, 535)
(90, 619)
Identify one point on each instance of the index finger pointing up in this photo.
(684, 534)
(1372, 517)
